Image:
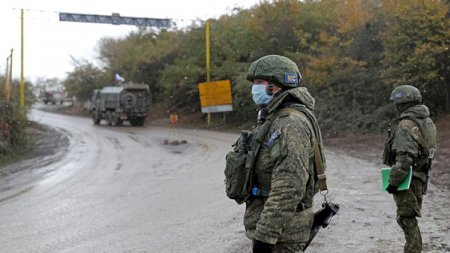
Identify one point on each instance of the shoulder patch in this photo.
(273, 137)
(398, 95)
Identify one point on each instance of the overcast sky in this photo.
(49, 43)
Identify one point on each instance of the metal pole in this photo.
(22, 82)
(5, 88)
(208, 63)
(10, 75)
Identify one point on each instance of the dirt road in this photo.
(122, 190)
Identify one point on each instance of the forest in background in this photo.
(351, 54)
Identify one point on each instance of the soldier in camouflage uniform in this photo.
(410, 146)
(279, 215)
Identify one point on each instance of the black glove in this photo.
(262, 247)
(391, 189)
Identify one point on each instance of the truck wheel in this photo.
(95, 118)
(135, 122)
(115, 120)
(140, 121)
(109, 118)
(129, 100)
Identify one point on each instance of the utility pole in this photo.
(8, 91)
(22, 82)
(208, 62)
(5, 88)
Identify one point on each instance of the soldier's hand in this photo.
(391, 189)
(262, 247)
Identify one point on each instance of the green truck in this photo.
(126, 102)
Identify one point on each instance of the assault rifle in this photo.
(389, 131)
(388, 156)
(321, 219)
(430, 159)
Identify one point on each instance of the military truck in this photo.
(116, 104)
(53, 98)
(49, 98)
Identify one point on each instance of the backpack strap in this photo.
(319, 161)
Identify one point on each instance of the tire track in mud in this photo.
(139, 139)
(115, 143)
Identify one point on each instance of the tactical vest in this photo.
(239, 169)
(423, 132)
(240, 162)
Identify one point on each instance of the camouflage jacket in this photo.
(284, 167)
(406, 148)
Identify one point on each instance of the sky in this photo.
(49, 43)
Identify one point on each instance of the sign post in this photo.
(208, 61)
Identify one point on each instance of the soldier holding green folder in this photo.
(411, 145)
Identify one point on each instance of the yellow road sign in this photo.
(215, 93)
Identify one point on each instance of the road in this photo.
(120, 189)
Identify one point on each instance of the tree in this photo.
(84, 79)
(141, 56)
(416, 42)
(351, 54)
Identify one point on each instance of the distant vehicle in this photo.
(53, 97)
(115, 104)
(58, 97)
(48, 98)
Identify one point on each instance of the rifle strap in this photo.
(319, 162)
(320, 169)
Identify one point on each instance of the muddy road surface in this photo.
(120, 189)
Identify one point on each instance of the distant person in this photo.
(281, 152)
(411, 145)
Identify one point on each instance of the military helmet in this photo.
(405, 93)
(275, 69)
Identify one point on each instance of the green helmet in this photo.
(275, 69)
(406, 93)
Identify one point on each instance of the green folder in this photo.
(386, 174)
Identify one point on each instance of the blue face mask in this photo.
(259, 94)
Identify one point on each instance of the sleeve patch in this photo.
(272, 138)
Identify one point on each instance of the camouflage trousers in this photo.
(285, 247)
(409, 205)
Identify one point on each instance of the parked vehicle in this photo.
(115, 104)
